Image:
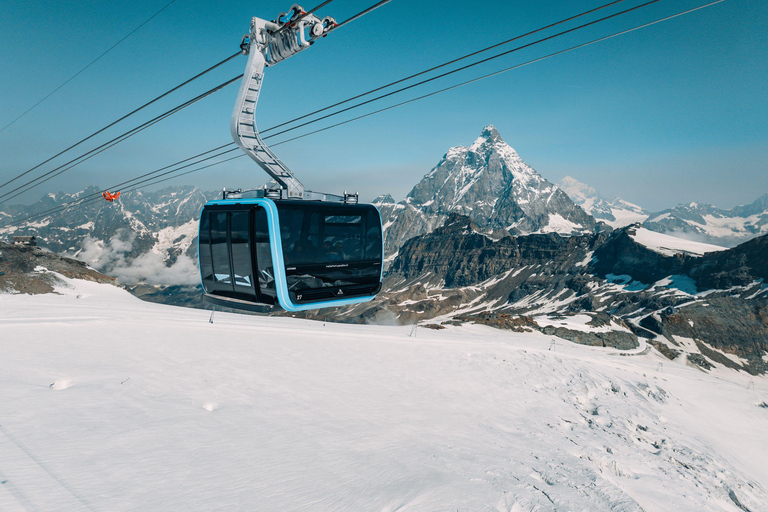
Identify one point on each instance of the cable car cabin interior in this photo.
(259, 254)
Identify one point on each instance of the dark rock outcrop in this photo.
(32, 270)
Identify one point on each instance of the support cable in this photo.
(124, 117)
(359, 15)
(81, 202)
(134, 181)
(482, 61)
(145, 105)
(434, 68)
(87, 65)
(582, 45)
(65, 167)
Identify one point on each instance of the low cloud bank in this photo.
(114, 258)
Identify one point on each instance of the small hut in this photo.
(25, 240)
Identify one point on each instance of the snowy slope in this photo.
(670, 245)
(615, 212)
(110, 403)
(705, 223)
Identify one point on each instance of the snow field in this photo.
(671, 245)
(110, 403)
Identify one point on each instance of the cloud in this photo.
(114, 258)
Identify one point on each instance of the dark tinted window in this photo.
(241, 251)
(331, 251)
(204, 255)
(327, 233)
(219, 251)
(263, 253)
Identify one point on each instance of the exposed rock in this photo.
(33, 270)
(700, 360)
(617, 339)
(665, 350)
(502, 321)
(459, 271)
(489, 182)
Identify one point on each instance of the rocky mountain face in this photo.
(706, 223)
(145, 237)
(615, 211)
(711, 308)
(33, 270)
(489, 182)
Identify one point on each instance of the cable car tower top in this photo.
(268, 43)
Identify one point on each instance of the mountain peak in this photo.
(577, 190)
(384, 199)
(491, 133)
(490, 140)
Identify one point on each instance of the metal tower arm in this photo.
(268, 43)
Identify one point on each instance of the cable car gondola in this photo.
(285, 247)
(258, 253)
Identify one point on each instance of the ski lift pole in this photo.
(268, 43)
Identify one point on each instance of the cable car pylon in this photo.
(267, 44)
(285, 247)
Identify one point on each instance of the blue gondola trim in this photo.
(276, 247)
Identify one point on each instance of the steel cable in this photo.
(123, 118)
(87, 65)
(120, 138)
(417, 98)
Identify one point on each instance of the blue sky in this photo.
(676, 112)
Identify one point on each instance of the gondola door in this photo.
(262, 255)
(222, 265)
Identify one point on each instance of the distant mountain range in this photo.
(704, 222)
(706, 303)
(482, 238)
(615, 211)
(694, 221)
(149, 237)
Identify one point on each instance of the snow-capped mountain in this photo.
(615, 211)
(145, 237)
(698, 222)
(489, 182)
(705, 223)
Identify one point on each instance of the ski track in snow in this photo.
(110, 403)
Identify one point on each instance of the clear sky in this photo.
(676, 112)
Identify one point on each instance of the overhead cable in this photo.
(433, 78)
(453, 61)
(147, 104)
(123, 118)
(87, 65)
(360, 14)
(453, 86)
(81, 202)
(134, 181)
(501, 71)
(120, 138)
(482, 61)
